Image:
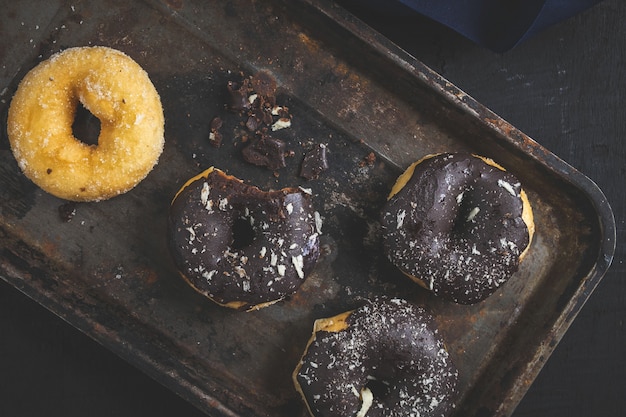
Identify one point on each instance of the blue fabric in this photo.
(496, 24)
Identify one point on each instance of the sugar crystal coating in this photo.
(116, 90)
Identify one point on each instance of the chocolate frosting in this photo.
(457, 226)
(236, 243)
(390, 347)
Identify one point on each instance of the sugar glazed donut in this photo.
(242, 247)
(458, 224)
(383, 359)
(116, 90)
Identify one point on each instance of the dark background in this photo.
(565, 87)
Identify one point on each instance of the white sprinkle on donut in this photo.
(508, 187)
(298, 263)
(472, 214)
(204, 194)
(400, 218)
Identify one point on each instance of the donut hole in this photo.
(86, 126)
(469, 213)
(379, 388)
(466, 219)
(243, 233)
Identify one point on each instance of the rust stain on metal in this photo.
(49, 247)
(175, 4)
(309, 43)
(501, 125)
(149, 276)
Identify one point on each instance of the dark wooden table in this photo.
(565, 87)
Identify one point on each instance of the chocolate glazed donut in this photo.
(384, 359)
(242, 247)
(458, 224)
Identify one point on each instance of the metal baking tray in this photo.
(107, 270)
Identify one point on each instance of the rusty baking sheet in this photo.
(107, 271)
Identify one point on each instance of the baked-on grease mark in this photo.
(240, 246)
(458, 224)
(385, 358)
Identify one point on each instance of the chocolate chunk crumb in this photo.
(216, 123)
(252, 124)
(67, 211)
(238, 96)
(264, 84)
(215, 137)
(369, 160)
(266, 151)
(253, 99)
(314, 162)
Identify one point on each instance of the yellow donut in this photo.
(116, 90)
